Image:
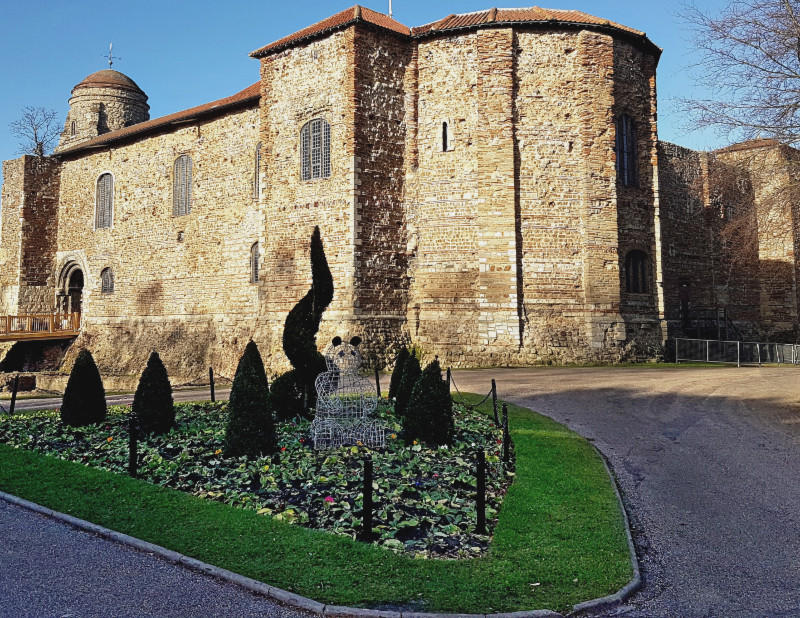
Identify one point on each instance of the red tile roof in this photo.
(334, 22)
(108, 78)
(531, 15)
(244, 98)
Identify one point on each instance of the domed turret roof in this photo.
(108, 78)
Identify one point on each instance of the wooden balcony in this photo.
(38, 326)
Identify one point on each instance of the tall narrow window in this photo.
(626, 152)
(256, 173)
(254, 257)
(104, 201)
(182, 186)
(315, 149)
(445, 136)
(106, 281)
(636, 280)
(73, 128)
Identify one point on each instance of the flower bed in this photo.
(424, 498)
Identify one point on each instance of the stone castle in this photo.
(489, 186)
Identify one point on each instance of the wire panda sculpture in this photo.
(345, 401)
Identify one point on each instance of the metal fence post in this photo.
(14, 389)
(708, 343)
(366, 513)
(480, 498)
(738, 354)
(758, 351)
(494, 403)
(133, 445)
(211, 383)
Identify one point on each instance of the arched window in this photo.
(106, 281)
(182, 186)
(104, 201)
(445, 136)
(626, 152)
(254, 257)
(256, 175)
(73, 128)
(636, 272)
(315, 149)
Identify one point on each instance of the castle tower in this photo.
(104, 101)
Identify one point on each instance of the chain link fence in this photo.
(735, 352)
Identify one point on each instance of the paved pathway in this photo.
(708, 461)
(53, 403)
(50, 569)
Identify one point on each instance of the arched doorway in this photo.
(75, 291)
(70, 289)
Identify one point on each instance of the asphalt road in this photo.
(49, 569)
(708, 461)
(52, 403)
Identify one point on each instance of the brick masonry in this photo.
(505, 245)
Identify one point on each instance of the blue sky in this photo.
(185, 53)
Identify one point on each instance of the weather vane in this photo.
(110, 57)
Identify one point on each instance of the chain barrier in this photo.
(466, 405)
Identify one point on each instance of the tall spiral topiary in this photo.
(397, 373)
(429, 416)
(302, 324)
(251, 425)
(152, 403)
(411, 373)
(84, 400)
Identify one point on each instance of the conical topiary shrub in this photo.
(411, 372)
(84, 400)
(251, 426)
(429, 416)
(397, 373)
(152, 403)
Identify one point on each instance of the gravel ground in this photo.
(709, 468)
(48, 568)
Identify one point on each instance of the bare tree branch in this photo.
(36, 130)
(750, 61)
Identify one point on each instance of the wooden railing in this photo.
(40, 326)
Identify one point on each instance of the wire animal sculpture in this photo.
(345, 401)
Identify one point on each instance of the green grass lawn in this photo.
(559, 539)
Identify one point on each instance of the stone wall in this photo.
(96, 111)
(181, 284)
(12, 198)
(300, 84)
(730, 234)
(28, 234)
(382, 63)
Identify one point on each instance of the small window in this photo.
(315, 149)
(104, 201)
(445, 136)
(182, 187)
(636, 270)
(254, 257)
(73, 128)
(626, 151)
(256, 175)
(107, 281)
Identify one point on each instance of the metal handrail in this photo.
(747, 352)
